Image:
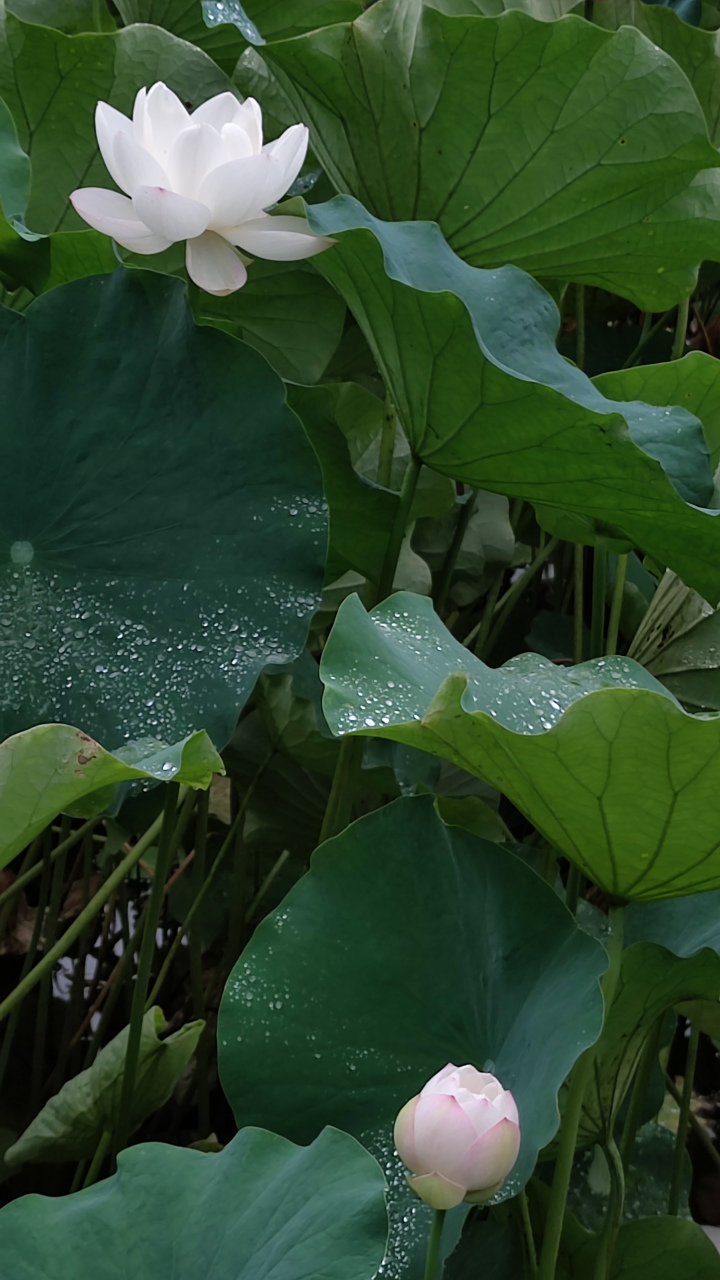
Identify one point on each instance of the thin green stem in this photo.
(433, 1249)
(685, 1100)
(101, 1151)
(527, 1231)
(27, 969)
(399, 528)
(387, 445)
(646, 336)
(572, 888)
(613, 1217)
(111, 992)
(43, 1009)
(681, 325)
(463, 519)
(196, 979)
(507, 603)
(696, 1124)
(578, 602)
(611, 642)
(482, 629)
(78, 1176)
(344, 785)
(648, 1058)
(599, 585)
(572, 1113)
(580, 321)
(145, 959)
(26, 877)
(72, 933)
(209, 878)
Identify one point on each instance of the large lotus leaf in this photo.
(427, 945)
(601, 757)
(162, 524)
(71, 1124)
(423, 115)
(52, 767)
(693, 382)
(696, 51)
(51, 83)
(661, 1247)
(286, 311)
(652, 980)
(261, 1207)
(679, 642)
(31, 261)
(70, 16)
(483, 395)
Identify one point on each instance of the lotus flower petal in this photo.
(165, 118)
(437, 1191)
(236, 142)
(169, 215)
(249, 117)
(217, 111)
(442, 1134)
(491, 1157)
(241, 189)
(195, 152)
(135, 166)
(280, 239)
(290, 149)
(114, 215)
(213, 265)
(109, 122)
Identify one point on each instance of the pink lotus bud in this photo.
(460, 1137)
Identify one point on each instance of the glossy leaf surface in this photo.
(71, 1124)
(48, 769)
(162, 526)
(401, 903)
(424, 115)
(483, 395)
(260, 1207)
(600, 757)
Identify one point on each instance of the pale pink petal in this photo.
(280, 239)
(480, 1111)
(290, 149)
(249, 117)
(404, 1134)
(433, 1083)
(490, 1158)
(437, 1191)
(195, 151)
(165, 118)
(478, 1081)
(217, 111)
(134, 166)
(114, 215)
(213, 265)
(169, 215)
(236, 141)
(108, 122)
(241, 189)
(443, 1134)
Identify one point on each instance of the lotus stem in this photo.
(433, 1250)
(680, 1138)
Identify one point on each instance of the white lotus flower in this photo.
(204, 177)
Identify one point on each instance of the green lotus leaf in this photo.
(693, 382)
(601, 757)
(259, 1207)
(660, 1247)
(429, 945)
(696, 51)
(51, 83)
(162, 523)
(71, 1124)
(483, 396)
(70, 16)
(51, 768)
(424, 115)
